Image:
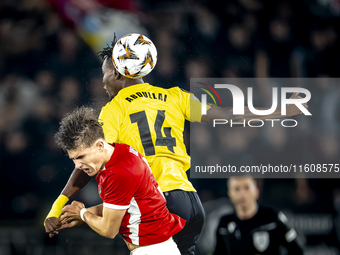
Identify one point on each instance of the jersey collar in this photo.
(134, 86)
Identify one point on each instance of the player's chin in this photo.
(88, 171)
(107, 92)
(111, 95)
(92, 173)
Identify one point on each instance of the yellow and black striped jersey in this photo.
(151, 119)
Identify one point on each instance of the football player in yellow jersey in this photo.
(151, 119)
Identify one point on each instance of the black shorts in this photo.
(188, 206)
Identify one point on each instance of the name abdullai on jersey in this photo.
(137, 95)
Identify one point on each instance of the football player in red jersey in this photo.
(133, 204)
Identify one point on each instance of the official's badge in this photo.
(261, 240)
(231, 227)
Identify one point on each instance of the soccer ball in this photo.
(134, 56)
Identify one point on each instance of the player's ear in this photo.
(100, 145)
(117, 74)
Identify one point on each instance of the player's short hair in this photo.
(79, 128)
(247, 176)
(106, 53)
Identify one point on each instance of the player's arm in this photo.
(216, 112)
(96, 210)
(289, 236)
(107, 224)
(117, 191)
(78, 180)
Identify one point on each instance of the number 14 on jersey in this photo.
(145, 133)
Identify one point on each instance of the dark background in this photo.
(48, 65)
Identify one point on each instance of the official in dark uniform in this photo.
(252, 228)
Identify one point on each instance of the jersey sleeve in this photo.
(289, 235)
(110, 118)
(119, 189)
(191, 106)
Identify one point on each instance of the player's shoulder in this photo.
(126, 155)
(124, 152)
(177, 89)
(179, 93)
(269, 212)
(109, 105)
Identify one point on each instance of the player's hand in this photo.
(72, 212)
(71, 224)
(292, 109)
(51, 226)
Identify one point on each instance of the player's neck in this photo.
(245, 213)
(108, 151)
(130, 82)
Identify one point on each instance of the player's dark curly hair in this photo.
(79, 128)
(107, 51)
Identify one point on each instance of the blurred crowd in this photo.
(47, 69)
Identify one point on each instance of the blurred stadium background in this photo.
(48, 65)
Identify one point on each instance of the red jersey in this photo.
(126, 182)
